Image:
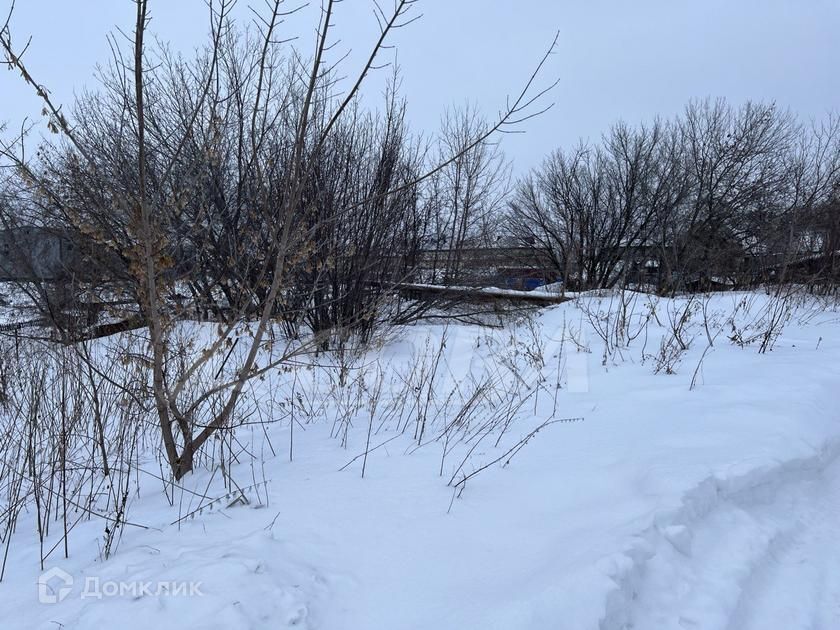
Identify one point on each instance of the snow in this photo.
(758, 562)
(666, 506)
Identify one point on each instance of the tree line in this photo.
(734, 195)
(741, 194)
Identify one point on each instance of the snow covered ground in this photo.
(707, 498)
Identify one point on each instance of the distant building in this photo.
(503, 267)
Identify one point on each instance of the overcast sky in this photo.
(616, 59)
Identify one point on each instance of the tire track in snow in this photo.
(795, 588)
(761, 551)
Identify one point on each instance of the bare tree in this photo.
(733, 161)
(467, 195)
(589, 209)
(287, 123)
